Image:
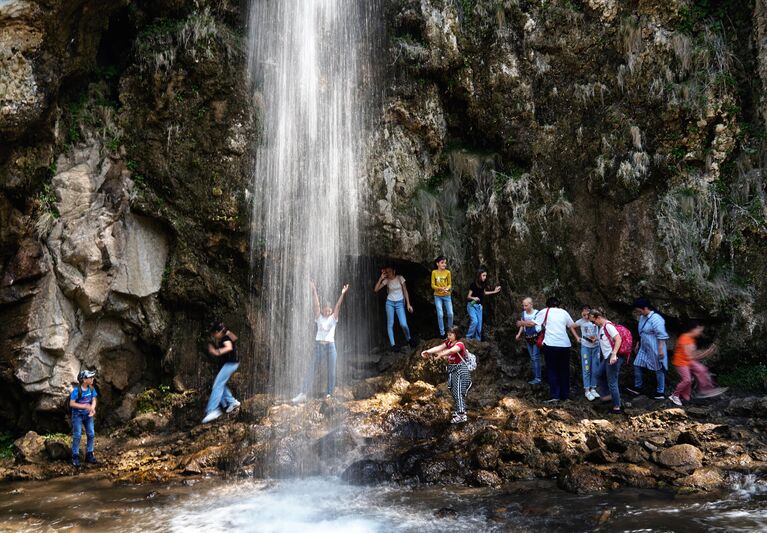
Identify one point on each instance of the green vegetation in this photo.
(752, 378)
(153, 400)
(692, 17)
(46, 201)
(6, 446)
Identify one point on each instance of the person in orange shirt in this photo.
(686, 361)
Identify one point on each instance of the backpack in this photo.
(470, 361)
(627, 340)
(67, 409)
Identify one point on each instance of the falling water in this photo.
(309, 61)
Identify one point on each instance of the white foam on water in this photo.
(313, 506)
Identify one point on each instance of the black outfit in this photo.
(477, 292)
(229, 357)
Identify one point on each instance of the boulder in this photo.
(368, 472)
(582, 479)
(681, 456)
(702, 478)
(30, 448)
(485, 478)
(147, 422)
(58, 449)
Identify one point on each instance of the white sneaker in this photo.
(210, 417)
(232, 406)
(299, 399)
(676, 400)
(716, 391)
(594, 395)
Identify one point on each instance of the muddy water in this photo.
(327, 505)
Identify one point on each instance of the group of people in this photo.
(546, 332)
(398, 300)
(600, 341)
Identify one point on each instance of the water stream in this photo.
(319, 505)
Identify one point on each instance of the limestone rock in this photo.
(702, 478)
(144, 256)
(681, 455)
(58, 449)
(30, 448)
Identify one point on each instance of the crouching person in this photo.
(458, 376)
(82, 403)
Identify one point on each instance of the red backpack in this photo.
(627, 341)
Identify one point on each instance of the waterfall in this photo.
(309, 64)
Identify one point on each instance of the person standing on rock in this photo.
(590, 358)
(609, 370)
(651, 354)
(397, 300)
(555, 323)
(326, 319)
(531, 336)
(477, 292)
(82, 403)
(221, 399)
(458, 376)
(442, 284)
(687, 363)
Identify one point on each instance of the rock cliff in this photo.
(592, 149)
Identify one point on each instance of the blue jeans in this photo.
(397, 307)
(475, 321)
(660, 376)
(322, 350)
(447, 301)
(535, 359)
(589, 363)
(221, 396)
(608, 379)
(80, 418)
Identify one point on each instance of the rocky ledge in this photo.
(394, 428)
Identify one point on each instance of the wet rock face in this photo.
(122, 225)
(506, 126)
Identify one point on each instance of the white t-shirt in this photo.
(326, 328)
(394, 286)
(605, 344)
(556, 327)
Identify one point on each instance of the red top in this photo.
(453, 358)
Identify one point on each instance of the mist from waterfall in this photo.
(309, 64)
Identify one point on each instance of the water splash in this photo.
(310, 67)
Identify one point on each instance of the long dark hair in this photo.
(478, 279)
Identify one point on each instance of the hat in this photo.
(85, 374)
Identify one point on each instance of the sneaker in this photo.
(299, 399)
(594, 395)
(232, 406)
(76, 461)
(676, 400)
(458, 418)
(210, 417)
(535, 381)
(551, 400)
(90, 458)
(633, 392)
(659, 396)
(328, 396)
(716, 391)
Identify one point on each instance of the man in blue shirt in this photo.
(82, 402)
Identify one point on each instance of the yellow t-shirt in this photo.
(440, 279)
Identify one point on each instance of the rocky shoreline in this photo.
(394, 428)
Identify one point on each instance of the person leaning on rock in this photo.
(221, 398)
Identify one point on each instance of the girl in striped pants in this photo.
(458, 376)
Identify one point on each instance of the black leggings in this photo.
(558, 371)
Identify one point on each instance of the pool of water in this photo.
(321, 505)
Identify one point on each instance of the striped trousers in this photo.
(459, 383)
